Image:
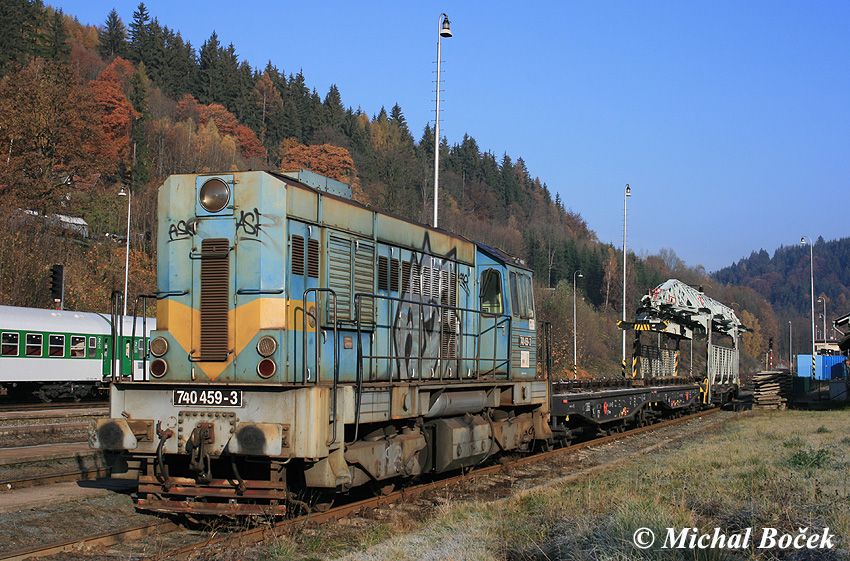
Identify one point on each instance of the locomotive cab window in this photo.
(56, 345)
(33, 344)
(516, 309)
(491, 292)
(11, 341)
(78, 346)
(526, 297)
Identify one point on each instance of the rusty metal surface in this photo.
(211, 509)
(259, 534)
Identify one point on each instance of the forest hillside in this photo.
(85, 111)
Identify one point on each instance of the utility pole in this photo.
(627, 193)
(444, 30)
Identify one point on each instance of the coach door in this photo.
(494, 324)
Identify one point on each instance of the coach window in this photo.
(11, 341)
(92, 347)
(34, 341)
(56, 345)
(78, 346)
(491, 292)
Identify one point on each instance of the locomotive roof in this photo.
(500, 255)
(385, 227)
(493, 252)
(63, 321)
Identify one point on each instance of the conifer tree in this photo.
(21, 37)
(57, 47)
(112, 37)
(139, 33)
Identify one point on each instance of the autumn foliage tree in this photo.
(226, 123)
(50, 133)
(115, 113)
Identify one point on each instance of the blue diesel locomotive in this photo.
(305, 341)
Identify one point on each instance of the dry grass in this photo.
(778, 469)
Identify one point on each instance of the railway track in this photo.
(51, 478)
(14, 407)
(259, 534)
(105, 539)
(262, 533)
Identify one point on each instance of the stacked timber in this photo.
(771, 389)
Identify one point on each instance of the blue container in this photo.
(827, 367)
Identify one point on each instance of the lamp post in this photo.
(575, 326)
(823, 300)
(443, 30)
(626, 194)
(790, 347)
(806, 241)
(125, 192)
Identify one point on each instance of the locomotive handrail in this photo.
(502, 320)
(144, 298)
(160, 294)
(202, 358)
(211, 254)
(117, 304)
(253, 291)
(315, 314)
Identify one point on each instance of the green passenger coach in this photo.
(61, 354)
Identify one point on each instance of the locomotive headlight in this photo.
(158, 368)
(266, 368)
(214, 195)
(159, 346)
(267, 345)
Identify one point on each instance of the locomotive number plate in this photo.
(208, 398)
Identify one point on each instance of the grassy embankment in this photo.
(768, 469)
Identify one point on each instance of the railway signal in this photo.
(57, 285)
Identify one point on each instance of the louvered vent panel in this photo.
(297, 255)
(405, 277)
(313, 258)
(364, 279)
(394, 275)
(425, 278)
(339, 276)
(215, 283)
(383, 273)
(448, 297)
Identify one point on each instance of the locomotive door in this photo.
(494, 324)
(302, 275)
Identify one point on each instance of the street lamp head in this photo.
(803, 240)
(445, 27)
(122, 192)
(628, 190)
(580, 276)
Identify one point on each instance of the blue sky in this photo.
(730, 120)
